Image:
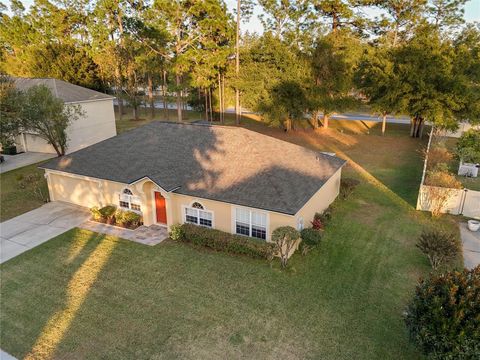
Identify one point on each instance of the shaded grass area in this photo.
(395, 159)
(15, 201)
(343, 300)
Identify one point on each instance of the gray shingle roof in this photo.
(63, 90)
(228, 164)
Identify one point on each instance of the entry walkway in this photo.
(147, 235)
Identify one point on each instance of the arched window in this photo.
(128, 201)
(197, 205)
(196, 214)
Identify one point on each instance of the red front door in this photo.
(161, 209)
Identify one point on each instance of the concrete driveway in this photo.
(20, 160)
(471, 246)
(33, 228)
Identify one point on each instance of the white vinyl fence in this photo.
(461, 201)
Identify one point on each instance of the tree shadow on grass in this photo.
(41, 291)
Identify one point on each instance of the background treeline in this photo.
(313, 59)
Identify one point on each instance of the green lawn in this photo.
(83, 295)
(13, 200)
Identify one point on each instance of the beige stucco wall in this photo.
(96, 124)
(321, 200)
(82, 190)
(223, 213)
(90, 192)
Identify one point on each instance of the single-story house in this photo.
(228, 178)
(96, 124)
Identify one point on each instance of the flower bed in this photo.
(111, 215)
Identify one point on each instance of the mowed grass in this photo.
(15, 201)
(85, 295)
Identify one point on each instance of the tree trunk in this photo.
(179, 98)
(384, 123)
(118, 92)
(223, 98)
(422, 126)
(150, 97)
(59, 151)
(220, 110)
(325, 120)
(416, 129)
(206, 106)
(237, 66)
(164, 95)
(315, 120)
(288, 124)
(210, 103)
(412, 126)
(135, 110)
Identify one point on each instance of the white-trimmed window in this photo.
(196, 214)
(251, 223)
(129, 201)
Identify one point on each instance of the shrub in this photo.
(222, 241)
(317, 224)
(128, 219)
(443, 317)
(96, 215)
(347, 186)
(285, 238)
(311, 236)
(324, 216)
(438, 156)
(443, 185)
(468, 146)
(108, 213)
(442, 178)
(177, 233)
(438, 246)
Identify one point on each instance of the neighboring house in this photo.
(227, 178)
(97, 123)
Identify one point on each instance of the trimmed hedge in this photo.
(221, 241)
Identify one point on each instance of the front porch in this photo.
(156, 205)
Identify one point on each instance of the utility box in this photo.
(468, 169)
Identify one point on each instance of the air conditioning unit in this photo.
(468, 169)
